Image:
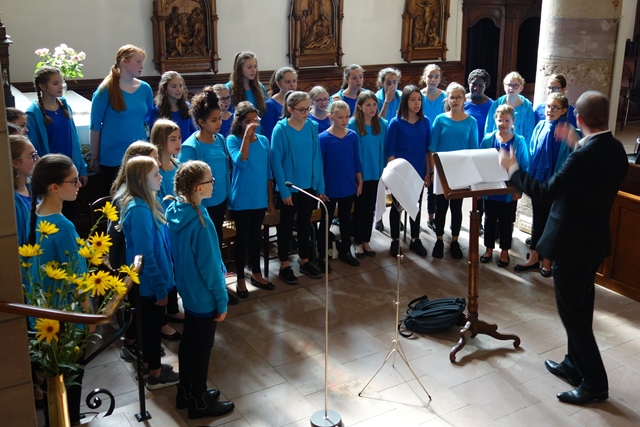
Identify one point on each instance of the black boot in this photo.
(207, 406)
(182, 398)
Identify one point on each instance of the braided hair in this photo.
(188, 176)
(40, 80)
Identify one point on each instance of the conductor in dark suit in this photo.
(577, 239)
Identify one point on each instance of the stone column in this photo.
(578, 39)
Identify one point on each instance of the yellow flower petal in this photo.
(75, 279)
(26, 265)
(110, 211)
(100, 242)
(47, 329)
(46, 228)
(85, 252)
(118, 285)
(55, 273)
(80, 242)
(129, 271)
(96, 259)
(99, 282)
(29, 251)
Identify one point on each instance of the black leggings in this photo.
(394, 220)
(442, 204)
(217, 214)
(540, 217)
(363, 213)
(153, 317)
(344, 215)
(505, 214)
(248, 225)
(194, 352)
(303, 206)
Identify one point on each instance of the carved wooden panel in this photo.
(315, 33)
(424, 30)
(185, 35)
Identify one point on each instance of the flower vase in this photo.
(57, 402)
(64, 87)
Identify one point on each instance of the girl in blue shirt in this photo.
(556, 83)
(224, 101)
(452, 130)
(251, 192)
(210, 147)
(352, 81)
(409, 137)
(165, 135)
(319, 103)
(23, 159)
(388, 94)
(145, 231)
(371, 131)
(434, 97)
(342, 179)
(245, 83)
(55, 180)
(502, 208)
(296, 159)
(118, 111)
(200, 280)
(282, 81)
(548, 154)
(171, 103)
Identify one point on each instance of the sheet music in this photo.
(488, 186)
(466, 167)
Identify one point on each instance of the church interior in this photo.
(269, 353)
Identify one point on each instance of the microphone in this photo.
(288, 184)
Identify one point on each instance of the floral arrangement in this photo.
(65, 58)
(67, 285)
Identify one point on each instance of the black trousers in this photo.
(574, 285)
(540, 216)
(248, 225)
(363, 212)
(394, 220)
(153, 317)
(505, 214)
(303, 206)
(431, 200)
(217, 214)
(442, 204)
(194, 352)
(344, 214)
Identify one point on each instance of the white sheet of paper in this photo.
(466, 167)
(488, 186)
(404, 183)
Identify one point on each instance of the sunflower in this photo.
(131, 273)
(85, 252)
(55, 273)
(53, 263)
(29, 251)
(46, 228)
(80, 242)
(100, 242)
(96, 259)
(47, 330)
(118, 285)
(99, 282)
(75, 279)
(109, 211)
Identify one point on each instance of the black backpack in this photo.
(429, 317)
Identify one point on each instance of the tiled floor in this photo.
(269, 353)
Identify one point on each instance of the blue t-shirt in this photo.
(451, 135)
(226, 126)
(249, 96)
(215, 155)
(250, 176)
(59, 133)
(372, 149)
(351, 102)
(187, 125)
(410, 142)
(323, 124)
(479, 112)
(166, 188)
(431, 109)
(271, 117)
(119, 130)
(392, 108)
(341, 160)
(525, 119)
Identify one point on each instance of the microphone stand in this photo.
(326, 417)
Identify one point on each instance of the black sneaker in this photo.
(308, 269)
(455, 250)
(233, 300)
(349, 259)
(166, 378)
(321, 265)
(287, 276)
(416, 246)
(394, 248)
(432, 224)
(438, 249)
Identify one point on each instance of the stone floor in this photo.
(268, 356)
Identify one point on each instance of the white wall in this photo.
(371, 31)
(625, 31)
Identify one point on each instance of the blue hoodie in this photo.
(198, 262)
(145, 236)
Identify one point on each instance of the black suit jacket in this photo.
(581, 194)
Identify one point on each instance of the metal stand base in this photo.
(143, 417)
(396, 347)
(326, 419)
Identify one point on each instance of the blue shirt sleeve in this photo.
(278, 140)
(392, 137)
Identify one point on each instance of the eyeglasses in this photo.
(321, 100)
(225, 98)
(553, 108)
(554, 89)
(456, 98)
(211, 181)
(34, 156)
(303, 110)
(512, 85)
(391, 82)
(73, 181)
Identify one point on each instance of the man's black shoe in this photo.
(559, 370)
(579, 396)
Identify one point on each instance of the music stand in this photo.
(473, 325)
(410, 179)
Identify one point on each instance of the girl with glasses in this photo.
(23, 160)
(556, 83)
(319, 103)
(224, 101)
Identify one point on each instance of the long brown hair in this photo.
(237, 88)
(242, 109)
(136, 171)
(359, 115)
(138, 148)
(160, 132)
(42, 77)
(162, 97)
(112, 81)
